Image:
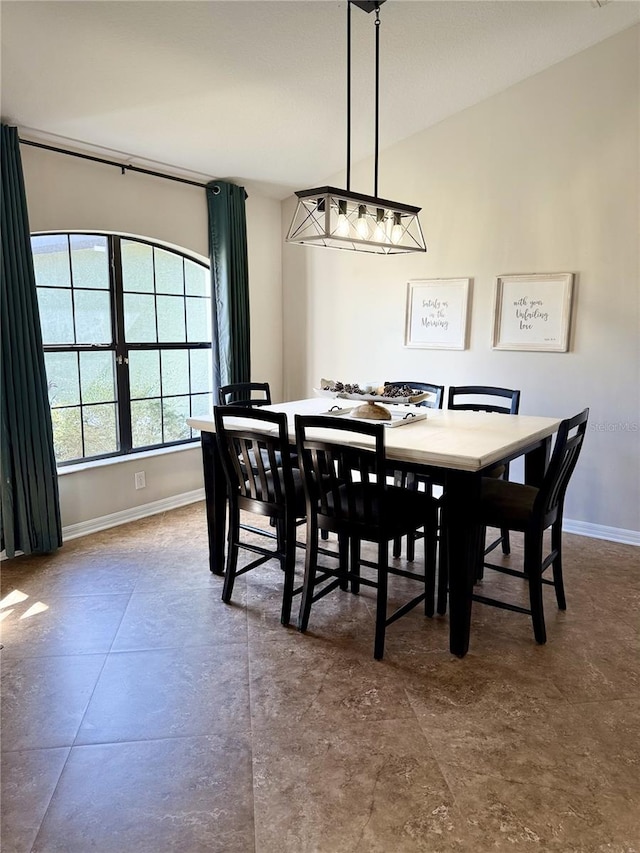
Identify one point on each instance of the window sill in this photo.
(130, 457)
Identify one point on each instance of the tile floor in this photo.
(140, 713)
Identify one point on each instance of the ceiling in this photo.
(255, 91)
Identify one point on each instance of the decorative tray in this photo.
(399, 417)
(373, 398)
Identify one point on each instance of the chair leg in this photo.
(411, 546)
(281, 533)
(430, 551)
(381, 600)
(556, 545)
(233, 549)
(354, 558)
(506, 541)
(532, 566)
(443, 568)
(310, 566)
(397, 547)
(289, 566)
(481, 552)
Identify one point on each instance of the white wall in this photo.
(543, 177)
(66, 193)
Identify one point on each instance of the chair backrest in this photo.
(255, 458)
(434, 402)
(476, 399)
(566, 450)
(247, 394)
(343, 470)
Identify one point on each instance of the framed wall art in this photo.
(533, 312)
(437, 310)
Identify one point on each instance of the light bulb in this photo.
(396, 231)
(342, 227)
(379, 235)
(362, 226)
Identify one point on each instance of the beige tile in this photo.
(44, 699)
(28, 780)
(169, 693)
(528, 816)
(186, 795)
(63, 625)
(313, 681)
(180, 618)
(362, 786)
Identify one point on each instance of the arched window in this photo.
(126, 328)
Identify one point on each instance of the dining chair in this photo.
(248, 394)
(484, 398)
(531, 511)
(409, 479)
(344, 472)
(487, 398)
(254, 449)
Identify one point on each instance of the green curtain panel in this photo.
(30, 508)
(230, 283)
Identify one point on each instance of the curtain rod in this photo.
(112, 163)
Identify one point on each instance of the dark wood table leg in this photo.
(215, 490)
(463, 494)
(536, 461)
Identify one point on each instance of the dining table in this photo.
(455, 448)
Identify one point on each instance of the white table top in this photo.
(464, 441)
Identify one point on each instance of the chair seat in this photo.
(506, 504)
(401, 511)
(299, 505)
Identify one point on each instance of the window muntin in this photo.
(115, 392)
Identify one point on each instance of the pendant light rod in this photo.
(366, 6)
(375, 156)
(349, 95)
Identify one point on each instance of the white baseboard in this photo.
(601, 531)
(83, 528)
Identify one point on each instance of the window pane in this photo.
(144, 373)
(67, 434)
(139, 318)
(93, 316)
(137, 266)
(97, 377)
(51, 260)
(100, 434)
(201, 370)
(146, 422)
(89, 261)
(175, 372)
(171, 319)
(197, 282)
(56, 316)
(198, 319)
(62, 378)
(201, 404)
(169, 274)
(175, 412)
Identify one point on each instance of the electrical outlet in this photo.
(140, 479)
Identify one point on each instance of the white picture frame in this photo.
(533, 312)
(437, 312)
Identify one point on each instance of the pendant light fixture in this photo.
(342, 219)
